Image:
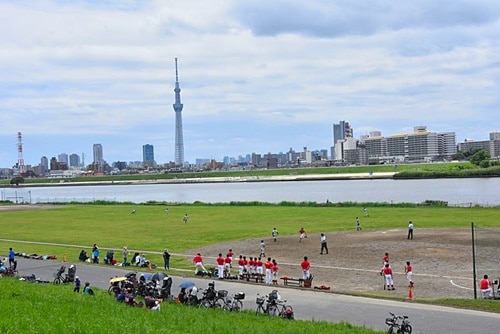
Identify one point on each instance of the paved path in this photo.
(307, 304)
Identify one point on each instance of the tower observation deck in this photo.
(179, 140)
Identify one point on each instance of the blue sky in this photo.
(256, 76)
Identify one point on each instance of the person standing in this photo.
(262, 248)
(12, 257)
(410, 230)
(385, 259)
(274, 272)
(198, 264)
(358, 224)
(269, 266)
(259, 269)
(227, 264)
(166, 259)
(186, 218)
(324, 246)
(274, 233)
(241, 267)
(78, 283)
(220, 266)
(95, 254)
(125, 255)
(365, 211)
(302, 234)
(409, 272)
(387, 272)
(305, 265)
(486, 288)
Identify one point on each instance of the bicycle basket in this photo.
(260, 300)
(221, 293)
(389, 321)
(241, 295)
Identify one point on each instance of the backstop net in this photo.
(486, 243)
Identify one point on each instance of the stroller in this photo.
(67, 278)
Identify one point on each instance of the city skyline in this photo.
(256, 76)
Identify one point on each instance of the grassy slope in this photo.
(47, 308)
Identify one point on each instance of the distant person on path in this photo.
(198, 264)
(94, 248)
(12, 257)
(186, 218)
(387, 272)
(324, 246)
(125, 253)
(358, 225)
(78, 283)
(274, 233)
(305, 266)
(409, 272)
(167, 211)
(262, 248)
(410, 230)
(365, 211)
(486, 288)
(302, 233)
(166, 259)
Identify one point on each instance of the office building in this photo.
(98, 154)
(148, 155)
(74, 160)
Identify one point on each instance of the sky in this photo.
(255, 76)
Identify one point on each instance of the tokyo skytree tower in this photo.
(179, 140)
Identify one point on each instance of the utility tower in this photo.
(20, 160)
(179, 140)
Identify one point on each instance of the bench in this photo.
(292, 281)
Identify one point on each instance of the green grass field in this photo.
(151, 230)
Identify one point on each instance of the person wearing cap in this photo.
(198, 264)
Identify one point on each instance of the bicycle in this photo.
(235, 303)
(281, 309)
(398, 324)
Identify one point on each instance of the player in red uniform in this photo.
(305, 266)
(387, 272)
(220, 266)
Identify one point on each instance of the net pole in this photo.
(474, 259)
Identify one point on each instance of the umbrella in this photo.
(117, 279)
(158, 276)
(187, 284)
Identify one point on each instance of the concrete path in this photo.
(308, 304)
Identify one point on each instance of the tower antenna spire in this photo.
(179, 139)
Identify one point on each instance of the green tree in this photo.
(480, 156)
(16, 180)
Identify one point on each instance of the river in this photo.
(457, 192)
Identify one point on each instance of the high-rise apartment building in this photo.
(63, 157)
(148, 155)
(341, 131)
(74, 160)
(98, 154)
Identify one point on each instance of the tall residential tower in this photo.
(179, 140)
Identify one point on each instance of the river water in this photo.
(457, 192)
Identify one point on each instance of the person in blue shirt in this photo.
(12, 259)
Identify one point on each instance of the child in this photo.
(274, 234)
(78, 283)
(87, 290)
(262, 248)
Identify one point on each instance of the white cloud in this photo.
(256, 76)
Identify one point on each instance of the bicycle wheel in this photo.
(407, 329)
(58, 280)
(273, 311)
(260, 310)
(110, 290)
(390, 330)
(237, 306)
